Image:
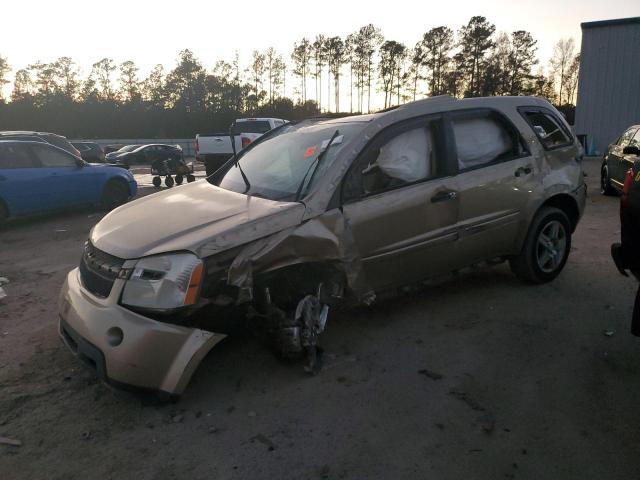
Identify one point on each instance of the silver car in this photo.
(318, 213)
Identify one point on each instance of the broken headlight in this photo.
(164, 282)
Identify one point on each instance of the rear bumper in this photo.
(151, 355)
(580, 195)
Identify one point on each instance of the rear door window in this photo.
(550, 130)
(253, 126)
(483, 139)
(16, 156)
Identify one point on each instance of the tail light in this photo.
(628, 180)
(245, 141)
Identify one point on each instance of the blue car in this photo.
(37, 177)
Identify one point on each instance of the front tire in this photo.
(168, 181)
(115, 194)
(546, 247)
(605, 182)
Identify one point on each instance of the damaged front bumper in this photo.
(128, 349)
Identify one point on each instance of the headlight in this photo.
(164, 282)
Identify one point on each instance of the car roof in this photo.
(28, 132)
(440, 103)
(33, 142)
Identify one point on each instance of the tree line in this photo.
(113, 101)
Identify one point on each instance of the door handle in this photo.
(444, 196)
(523, 171)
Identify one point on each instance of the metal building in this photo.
(609, 83)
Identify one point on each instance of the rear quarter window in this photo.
(549, 129)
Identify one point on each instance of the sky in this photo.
(152, 32)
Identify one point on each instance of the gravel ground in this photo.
(479, 377)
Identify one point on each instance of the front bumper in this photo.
(127, 348)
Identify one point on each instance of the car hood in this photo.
(197, 217)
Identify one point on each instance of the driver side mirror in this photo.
(631, 150)
(80, 163)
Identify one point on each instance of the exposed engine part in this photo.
(298, 333)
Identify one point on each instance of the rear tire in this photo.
(546, 247)
(605, 183)
(191, 178)
(115, 194)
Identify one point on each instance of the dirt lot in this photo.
(480, 377)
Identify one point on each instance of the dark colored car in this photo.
(51, 138)
(626, 254)
(145, 154)
(620, 157)
(90, 151)
(37, 177)
(114, 147)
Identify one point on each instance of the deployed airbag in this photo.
(405, 156)
(479, 141)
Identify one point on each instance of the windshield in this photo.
(276, 167)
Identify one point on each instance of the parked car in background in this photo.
(145, 154)
(90, 151)
(626, 254)
(214, 149)
(37, 177)
(51, 138)
(320, 213)
(114, 147)
(619, 158)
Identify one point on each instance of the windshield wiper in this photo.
(235, 157)
(315, 162)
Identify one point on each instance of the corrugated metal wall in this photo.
(609, 88)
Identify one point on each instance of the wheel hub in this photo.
(552, 243)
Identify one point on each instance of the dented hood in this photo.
(197, 217)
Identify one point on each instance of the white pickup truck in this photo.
(215, 149)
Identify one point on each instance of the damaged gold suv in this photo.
(316, 213)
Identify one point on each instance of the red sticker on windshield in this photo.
(310, 151)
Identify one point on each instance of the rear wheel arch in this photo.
(567, 204)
